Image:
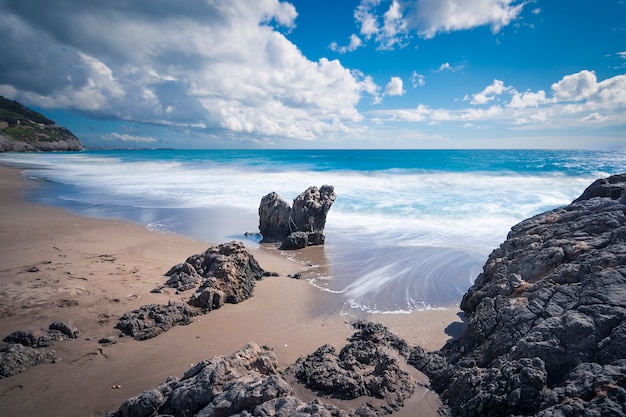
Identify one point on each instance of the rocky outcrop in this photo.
(226, 273)
(300, 225)
(26, 348)
(546, 318)
(370, 365)
(250, 383)
(151, 320)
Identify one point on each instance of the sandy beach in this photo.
(58, 266)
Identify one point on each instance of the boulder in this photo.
(278, 222)
(226, 273)
(546, 319)
(368, 366)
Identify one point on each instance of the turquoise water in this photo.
(410, 229)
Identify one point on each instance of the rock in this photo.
(546, 318)
(66, 329)
(108, 340)
(274, 215)
(296, 240)
(249, 383)
(368, 366)
(278, 222)
(31, 338)
(226, 273)
(151, 320)
(16, 358)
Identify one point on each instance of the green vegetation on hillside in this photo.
(23, 129)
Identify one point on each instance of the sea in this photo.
(409, 230)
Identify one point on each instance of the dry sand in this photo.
(58, 266)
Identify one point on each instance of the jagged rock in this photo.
(226, 273)
(151, 320)
(546, 318)
(365, 366)
(16, 358)
(278, 222)
(249, 383)
(274, 215)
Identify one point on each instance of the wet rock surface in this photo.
(299, 225)
(250, 382)
(546, 318)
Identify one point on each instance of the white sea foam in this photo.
(397, 239)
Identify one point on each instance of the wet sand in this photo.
(58, 266)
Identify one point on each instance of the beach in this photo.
(59, 266)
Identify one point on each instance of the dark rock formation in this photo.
(249, 383)
(16, 358)
(300, 225)
(26, 348)
(546, 318)
(151, 320)
(226, 273)
(370, 365)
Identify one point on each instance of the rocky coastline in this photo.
(546, 336)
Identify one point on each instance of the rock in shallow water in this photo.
(300, 225)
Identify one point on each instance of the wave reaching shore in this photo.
(410, 230)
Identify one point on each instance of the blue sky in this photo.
(322, 74)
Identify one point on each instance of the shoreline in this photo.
(91, 271)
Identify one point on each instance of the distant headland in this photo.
(25, 130)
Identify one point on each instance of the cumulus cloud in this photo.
(489, 93)
(217, 64)
(418, 80)
(355, 43)
(576, 100)
(392, 23)
(394, 87)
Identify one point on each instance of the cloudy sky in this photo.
(322, 74)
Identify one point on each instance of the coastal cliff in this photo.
(25, 130)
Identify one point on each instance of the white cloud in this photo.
(128, 138)
(447, 67)
(391, 26)
(622, 54)
(394, 87)
(221, 64)
(489, 93)
(577, 100)
(417, 80)
(576, 87)
(355, 43)
(528, 99)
